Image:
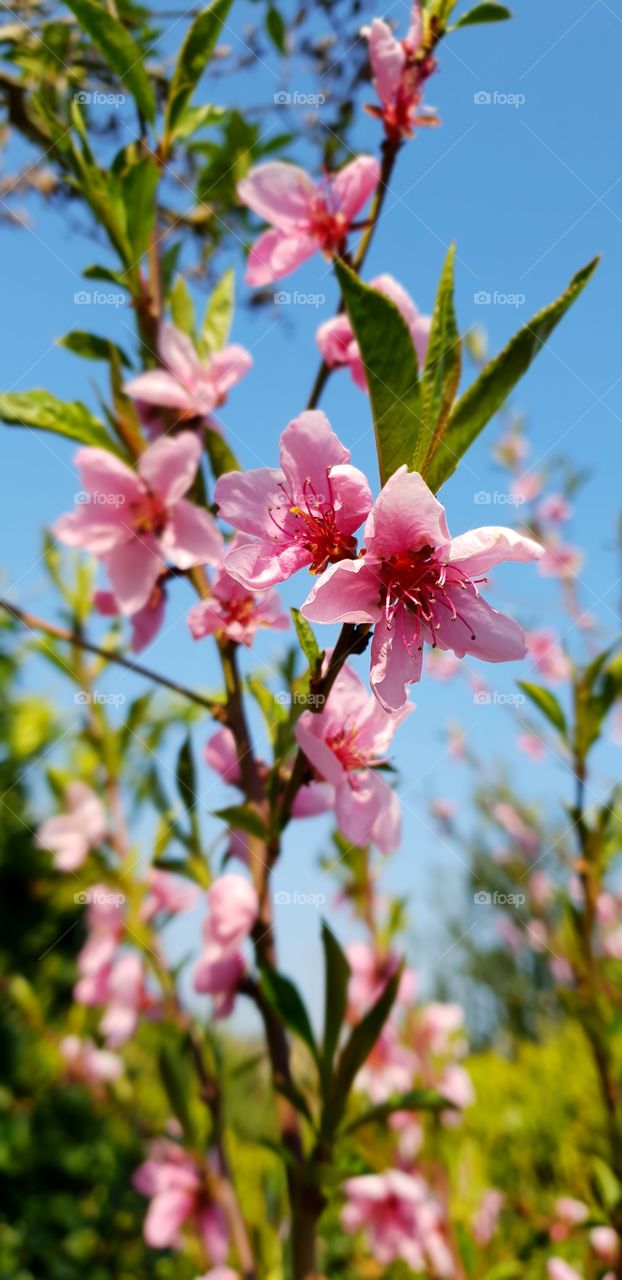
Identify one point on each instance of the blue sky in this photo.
(530, 190)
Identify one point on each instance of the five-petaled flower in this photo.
(135, 521)
(400, 69)
(417, 584)
(188, 384)
(339, 347)
(304, 514)
(304, 216)
(233, 610)
(345, 744)
(401, 1218)
(178, 1191)
(70, 835)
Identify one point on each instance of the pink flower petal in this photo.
(178, 354)
(262, 564)
(355, 183)
(346, 592)
(278, 192)
(392, 666)
(481, 549)
(245, 499)
(497, 637)
(276, 254)
(104, 474)
(229, 366)
(165, 1216)
(133, 570)
(191, 536)
(169, 466)
(405, 515)
(160, 388)
(309, 737)
(387, 58)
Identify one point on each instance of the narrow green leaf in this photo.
(276, 28)
(392, 371)
(175, 1079)
(482, 13)
(41, 410)
(191, 119)
(273, 710)
(307, 640)
(221, 457)
(139, 187)
(287, 1002)
(414, 1100)
(219, 314)
(186, 775)
(547, 703)
(242, 818)
(182, 307)
(441, 375)
(356, 1051)
(194, 56)
(336, 977)
(496, 382)
(92, 347)
(119, 49)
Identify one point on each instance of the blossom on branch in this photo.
(401, 1218)
(305, 217)
(172, 1180)
(69, 836)
(400, 69)
(192, 386)
(233, 906)
(234, 611)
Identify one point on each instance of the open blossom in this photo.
(400, 69)
(147, 620)
(555, 508)
(88, 1064)
(417, 584)
(303, 515)
(401, 1219)
(167, 894)
(339, 347)
(188, 384)
(126, 998)
(547, 655)
(172, 1180)
(136, 521)
(345, 743)
(70, 835)
(304, 216)
(232, 910)
(532, 746)
(234, 610)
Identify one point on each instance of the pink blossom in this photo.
(420, 585)
(234, 610)
(555, 508)
(605, 1243)
(172, 1181)
(345, 743)
(70, 835)
(388, 1068)
(339, 347)
(532, 746)
(512, 448)
(233, 906)
(442, 664)
(456, 1086)
(188, 384)
(105, 929)
(220, 1273)
(560, 560)
(370, 972)
(527, 486)
(514, 824)
(147, 620)
(486, 1220)
(568, 1213)
(541, 889)
(126, 998)
(557, 1269)
(167, 893)
(304, 217)
(85, 1062)
(547, 655)
(401, 1219)
(400, 69)
(304, 514)
(439, 1023)
(136, 521)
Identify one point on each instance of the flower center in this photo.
(240, 611)
(148, 514)
(328, 224)
(421, 583)
(309, 518)
(344, 746)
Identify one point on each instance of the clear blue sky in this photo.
(530, 192)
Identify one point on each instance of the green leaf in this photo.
(119, 49)
(194, 56)
(276, 28)
(273, 711)
(91, 346)
(495, 383)
(336, 977)
(414, 1100)
(221, 457)
(307, 641)
(441, 375)
(242, 818)
(185, 775)
(285, 999)
(182, 307)
(191, 119)
(139, 187)
(219, 314)
(482, 13)
(392, 371)
(356, 1051)
(547, 703)
(41, 410)
(175, 1079)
